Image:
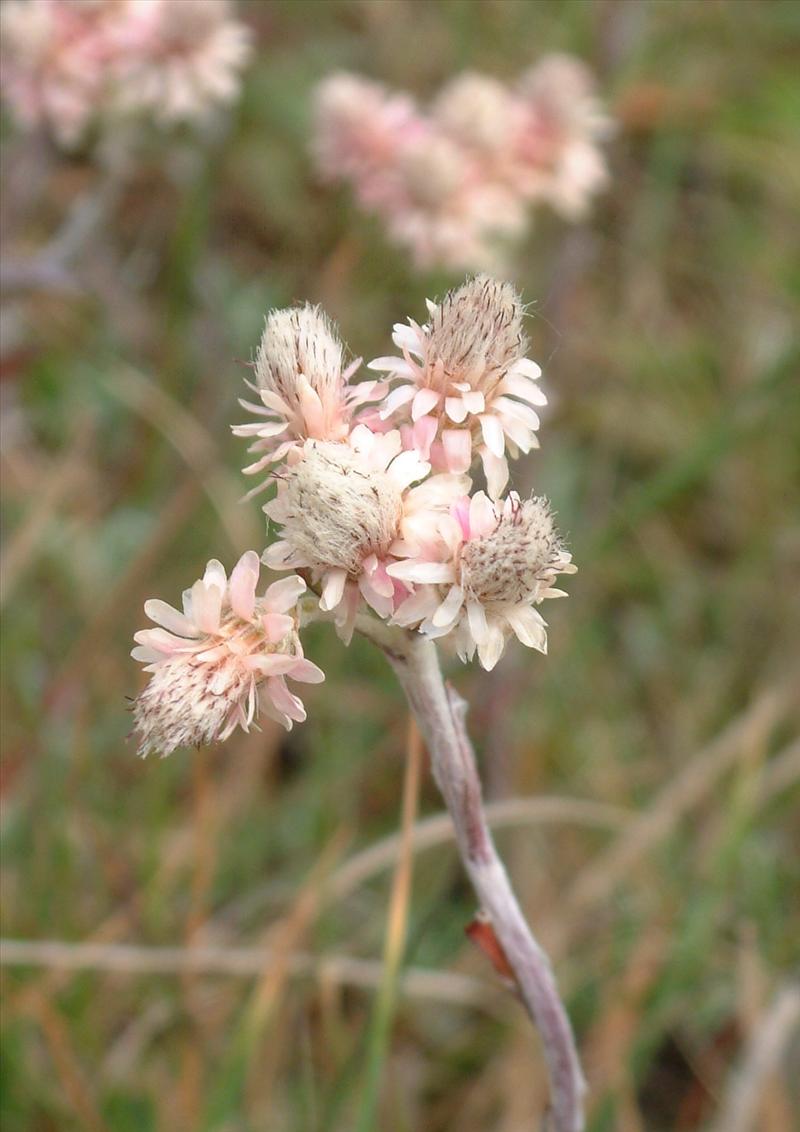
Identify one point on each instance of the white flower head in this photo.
(303, 386)
(501, 561)
(221, 660)
(190, 56)
(465, 382)
(344, 509)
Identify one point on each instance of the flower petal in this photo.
(423, 402)
(482, 515)
(271, 664)
(456, 409)
(407, 468)
(163, 614)
(277, 626)
(163, 642)
(306, 671)
(412, 571)
(493, 434)
(396, 399)
(457, 446)
(496, 471)
(449, 609)
(416, 607)
(242, 586)
(491, 649)
(522, 387)
(424, 433)
(476, 618)
(215, 575)
(527, 368)
(286, 701)
(475, 401)
(333, 589)
(282, 596)
(528, 626)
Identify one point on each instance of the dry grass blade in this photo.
(246, 962)
(176, 511)
(438, 830)
(597, 882)
(395, 935)
(739, 1109)
(195, 446)
(782, 772)
(285, 935)
(60, 480)
(74, 1081)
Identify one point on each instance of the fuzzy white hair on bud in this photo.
(298, 341)
(335, 510)
(476, 333)
(510, 564)
(183, 706)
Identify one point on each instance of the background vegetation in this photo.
(668, 893)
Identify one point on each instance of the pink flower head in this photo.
(303, 386)
(344, 509)
(67, 62)
(187, 59)
(221, 660)
(444, 209)
(358, 127)
(452, 185)
(56, 60)
(557, 153)
(433, 197)
(480, 112)
(464, 381)
(500, 561)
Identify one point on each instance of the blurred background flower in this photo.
(69, 63)
(453, 184)
(643, 777)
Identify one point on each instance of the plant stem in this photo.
(440, 713)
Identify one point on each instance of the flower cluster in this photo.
(453, 184)
(372, 506)
(67, 63)
(224, 657)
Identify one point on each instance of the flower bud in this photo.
(299, 349)
(509, 564)
(335, 510)
(476, 334)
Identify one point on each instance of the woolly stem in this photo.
(440, 713)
